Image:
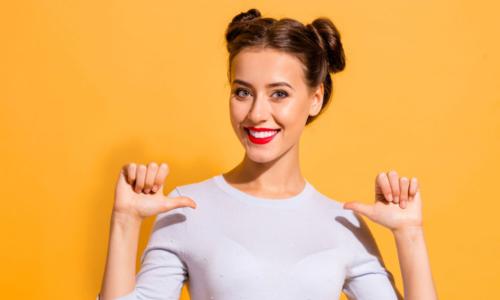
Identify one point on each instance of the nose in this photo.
(260, 110)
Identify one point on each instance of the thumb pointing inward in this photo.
(358, 207)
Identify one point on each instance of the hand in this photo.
(397, 203)
(139, 192)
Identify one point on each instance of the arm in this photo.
(138, 195)
(398, 207)
(119, 274)
(162, 272)
(414, 264)
(367, 277)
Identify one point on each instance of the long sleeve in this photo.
(162, 271)
(367, 278)
(239, 246)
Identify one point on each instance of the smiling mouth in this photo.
(261, 135)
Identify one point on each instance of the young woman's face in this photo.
(268, 92)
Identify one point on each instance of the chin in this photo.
(261, 156)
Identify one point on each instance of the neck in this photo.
(281, 176)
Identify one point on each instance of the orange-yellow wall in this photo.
(87, 86)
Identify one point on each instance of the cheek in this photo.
(291, 116)
(237, 113)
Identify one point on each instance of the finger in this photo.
(384, 186)
(394, 181)
(150, 176)
(404, 183)
(360, 208)
(140, 178)
(131, 173)
(123, 174)
(160, 177)
(413, 188)
(176, 202)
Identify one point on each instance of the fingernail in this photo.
(389, 197)
(154, 189)
(396, 199)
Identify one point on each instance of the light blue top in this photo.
(235, 246)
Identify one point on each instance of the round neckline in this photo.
(288, 201)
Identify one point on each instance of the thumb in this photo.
(168, 204)
(360, 208)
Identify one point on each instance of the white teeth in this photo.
(262, 134)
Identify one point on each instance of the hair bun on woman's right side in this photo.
(249, 15)
(240, 23)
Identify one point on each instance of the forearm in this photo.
(414, 263)
(119, 273)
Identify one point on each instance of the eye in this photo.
(241, 95)
(283, 94)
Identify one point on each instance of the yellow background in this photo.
(88, 86)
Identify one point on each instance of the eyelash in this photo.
(236, 92)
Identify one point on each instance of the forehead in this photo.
(261, 66)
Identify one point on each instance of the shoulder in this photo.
(197, 187)
(334, 206)
(203, 192)
(195, 191)
(351, 224)
(200, 191)
(354, 234)
(174, 222)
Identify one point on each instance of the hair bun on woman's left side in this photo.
(331, 42)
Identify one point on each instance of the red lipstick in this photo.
(261, 139)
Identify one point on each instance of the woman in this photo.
(261, 230)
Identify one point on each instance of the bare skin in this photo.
(138, 195)
(269, 170)
(272, 170)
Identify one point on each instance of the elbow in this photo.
(129, 296)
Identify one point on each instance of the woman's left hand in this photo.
(397, 202)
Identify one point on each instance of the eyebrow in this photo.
(280, 83)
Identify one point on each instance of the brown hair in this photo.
(316, 45)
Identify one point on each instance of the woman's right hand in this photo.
(139, 192)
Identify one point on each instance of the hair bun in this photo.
(249, 15)
(330, 42)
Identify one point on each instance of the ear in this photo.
(317, 100)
